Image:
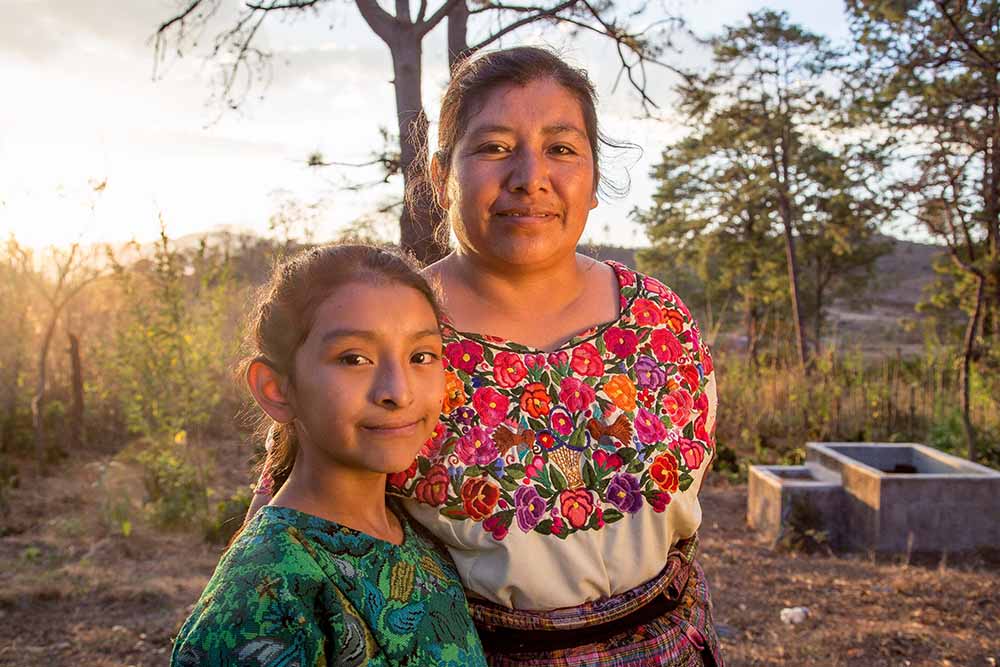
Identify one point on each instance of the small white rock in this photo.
(794, 615)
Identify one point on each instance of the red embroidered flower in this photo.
(464, 355)
(690, 376)
(558, 359)
(656, 287)
(625, 277)
(666, 347)
(659, 501)
(576, 505)
(433, 444)
(399, 479)
(496, 527)
(664, 472)
(491, 405)
(432, 489)
(646, 313)
(508, 369)
(546, 440)
(706, 359)
(479, 497)
(575, 395)
(587, 361)
(621, 342)
(648, 427)
(535, 400)
(678, 406)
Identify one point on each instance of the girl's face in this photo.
(521, 182)
(368, 380)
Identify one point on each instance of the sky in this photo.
(94, 148)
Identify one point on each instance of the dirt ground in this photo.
(72, 592)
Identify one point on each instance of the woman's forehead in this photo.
(542, 105)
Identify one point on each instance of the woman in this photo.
(578, 421)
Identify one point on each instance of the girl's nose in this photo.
(392, 386)
(529, 173)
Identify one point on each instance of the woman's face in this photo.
(521, 182)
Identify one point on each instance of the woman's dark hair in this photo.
(285, 312)
(471, 82)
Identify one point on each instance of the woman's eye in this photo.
(424, 358)
(563, 150)
(352, 360)
(494, 149)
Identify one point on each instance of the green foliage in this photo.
(226, 517)
(804, 529)
(176, 493)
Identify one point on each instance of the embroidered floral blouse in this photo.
(557, 478)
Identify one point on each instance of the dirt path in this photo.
(73, 593)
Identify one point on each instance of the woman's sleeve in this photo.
(266, 616)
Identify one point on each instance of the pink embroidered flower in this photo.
(706, 359)
(496, 526)
(649, 428)
(691, 451)
(607, 461)
(476, 448)
(534, 360)
(678, 406)
(666, 347)
(575, 395)
(621, 342)
(625, 276)
(432, 489)
(656, 287)
(508, 369)
(433, 444)
(491, 405)
(646, 313)
(561, 421)
(576, 505)
(558, 359)
(464, 355)
(587, 361)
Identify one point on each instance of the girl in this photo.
(346, 362)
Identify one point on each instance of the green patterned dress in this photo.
(295, 590)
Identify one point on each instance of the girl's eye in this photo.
(424, 358)
(353, 360)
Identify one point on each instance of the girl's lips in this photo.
(391, 429)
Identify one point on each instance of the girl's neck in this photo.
(350, 497)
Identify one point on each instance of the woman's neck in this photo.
(350, 497)
(513, 289)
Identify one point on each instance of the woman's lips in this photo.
(392, 429)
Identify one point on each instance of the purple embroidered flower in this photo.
(530, 508)
(464, 415)
(624, 493)
(476, 448)
(649, 373)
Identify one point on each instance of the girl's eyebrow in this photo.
(334, 334)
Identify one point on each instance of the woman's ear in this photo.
(270, 389)
(439, 181)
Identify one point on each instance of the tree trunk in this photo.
(38, 400)
(421, 221)
(793, 287)
(968, 350)
(458, 28)
(76, 408)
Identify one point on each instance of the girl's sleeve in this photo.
(272, 615)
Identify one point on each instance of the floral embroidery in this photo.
(611, 424)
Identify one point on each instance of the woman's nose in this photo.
(529, 172)
(392, 386)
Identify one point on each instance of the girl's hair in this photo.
(285, 312)
(471, 82)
